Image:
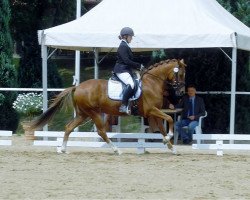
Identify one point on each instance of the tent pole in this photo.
(96, 63)
(77, 69)
(44, 77)
(233, 90)
(77, 53)
(96, 55)
(76, 77)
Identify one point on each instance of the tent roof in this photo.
(157, 24)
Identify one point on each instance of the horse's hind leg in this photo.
(101, 128)
(68, 129)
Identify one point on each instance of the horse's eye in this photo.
(176, 69)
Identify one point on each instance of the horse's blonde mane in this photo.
(161, 63)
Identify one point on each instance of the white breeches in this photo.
(126, 78)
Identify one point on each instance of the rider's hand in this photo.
(171, 106)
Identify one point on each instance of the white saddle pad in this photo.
(115, 90)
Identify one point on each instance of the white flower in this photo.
(28, 103)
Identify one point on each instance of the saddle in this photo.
(116, 86)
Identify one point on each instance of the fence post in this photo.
(219, 144)
(59, 144)
(141, 149)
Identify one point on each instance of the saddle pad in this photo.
(115, 90)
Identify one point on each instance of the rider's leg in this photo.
(128, 91)
(126, 95)
(126, 78)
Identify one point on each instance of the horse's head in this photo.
(172, 71)
(176, 76)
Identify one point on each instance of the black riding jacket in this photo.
(125, 61)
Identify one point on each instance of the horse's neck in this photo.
(160, 72)
(154, 79)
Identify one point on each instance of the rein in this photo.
(151, 67)
(176, 84)
(146, 72)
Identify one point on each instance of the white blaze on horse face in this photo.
(175, 74)
(176, 69)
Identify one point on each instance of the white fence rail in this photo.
(5, 138)
(222, 142)
(61, 89)
(92, 139)
(31, 89)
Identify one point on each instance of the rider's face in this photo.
(129, 38)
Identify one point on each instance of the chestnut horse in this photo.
(90, 100)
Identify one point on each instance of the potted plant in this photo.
(28, 105)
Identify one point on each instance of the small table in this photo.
(174, 112)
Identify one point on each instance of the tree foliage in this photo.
(8, 116)
(29, 16)
(241, 10)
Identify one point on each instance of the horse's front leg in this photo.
(162, 129)
(160, 125)
(102, 133)
(115, 148)
(166, 137)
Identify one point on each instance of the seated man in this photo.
(193, 108)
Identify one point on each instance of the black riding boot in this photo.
(126, 95)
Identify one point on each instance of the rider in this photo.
(124, 65)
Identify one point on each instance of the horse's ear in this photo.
(182, 62)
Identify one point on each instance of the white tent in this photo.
(158, 24)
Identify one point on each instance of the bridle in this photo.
(176, 84)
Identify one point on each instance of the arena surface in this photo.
(29, 172)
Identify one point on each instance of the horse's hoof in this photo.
(169, 136)
(170, 146)
(174, 151)
(118, 152)
(61, 151)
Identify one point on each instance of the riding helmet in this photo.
(127, 31)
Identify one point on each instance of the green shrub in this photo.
(8, 116)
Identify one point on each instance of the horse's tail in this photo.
(62, 100)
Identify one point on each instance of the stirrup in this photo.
(124, 109)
